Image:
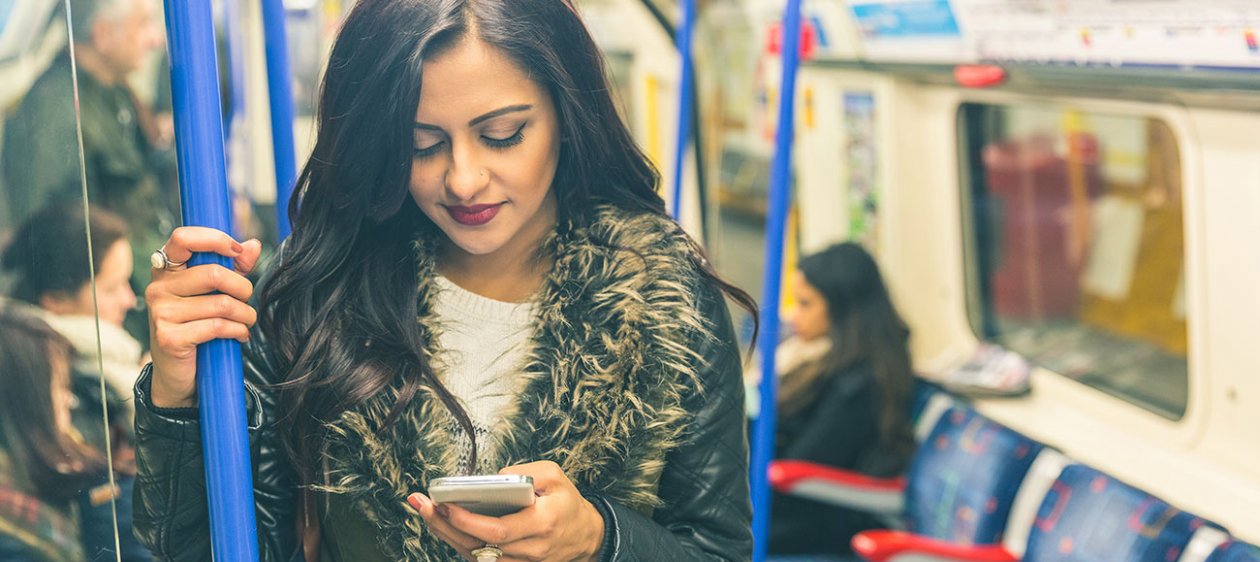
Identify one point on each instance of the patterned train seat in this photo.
(1235, 551)
(1088, 516)
(965, 477)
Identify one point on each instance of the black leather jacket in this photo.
(706, 515)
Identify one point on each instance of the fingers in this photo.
(177, 338)
(527, 523)
(461, 541)
(201, 280)
(528, 534)
(547, 475)
(245, 262)
(186, 240)
(200, 307)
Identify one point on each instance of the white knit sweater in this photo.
(483, 345)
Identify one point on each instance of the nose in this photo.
(795, 318)
(465, 177)
(129, 299)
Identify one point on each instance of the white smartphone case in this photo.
(495, 495)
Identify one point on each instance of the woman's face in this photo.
(810, 320)
(486, 143)
(113, 290)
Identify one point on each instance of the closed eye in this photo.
(503, 143)
(429, 150)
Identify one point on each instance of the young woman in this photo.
(481, 278)
(60, 283)
(845, 400)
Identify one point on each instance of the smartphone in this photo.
(494, 495)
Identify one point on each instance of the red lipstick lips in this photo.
(474, 215)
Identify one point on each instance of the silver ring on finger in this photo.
(488, 553)
(159, 260)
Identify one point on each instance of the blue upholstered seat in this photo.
(1236, 551)
(1088, 516)
(965, 477)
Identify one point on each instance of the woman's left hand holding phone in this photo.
(561, 526)
(184, 310)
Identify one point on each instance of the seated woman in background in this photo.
(46, 259)
(54, 488)
(844, 392)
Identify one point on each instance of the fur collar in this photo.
(610, 365)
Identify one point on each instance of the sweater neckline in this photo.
(483, 308)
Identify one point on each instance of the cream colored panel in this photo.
(1229, 277)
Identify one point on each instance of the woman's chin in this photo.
(479, 244)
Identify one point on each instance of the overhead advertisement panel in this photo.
(1175, 33)
(1172, 33)
(909, 31)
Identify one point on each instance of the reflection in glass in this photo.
(1076, 233)
(65, 372)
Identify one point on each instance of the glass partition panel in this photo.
(735, 82)
(64, 420)
(133, 196)
(1076, 246)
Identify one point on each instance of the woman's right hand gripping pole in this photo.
(193, 305)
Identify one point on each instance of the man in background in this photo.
(126, 155)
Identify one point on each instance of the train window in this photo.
(1075, 246)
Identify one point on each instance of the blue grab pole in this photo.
(686, 29)
(776, 220)
(280, 94)
(205, 202)
(236, 57)
(236, 103)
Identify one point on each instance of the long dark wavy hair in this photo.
(56, 464)
(865, 328)
(348, 274)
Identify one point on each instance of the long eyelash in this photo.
(427, 151)
(509, 142)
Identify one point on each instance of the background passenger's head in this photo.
(35, 403)
(840, 293)
(119, 33)
(48, 256)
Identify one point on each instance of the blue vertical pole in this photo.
(686, 28)
(236, 104)
(236, 59)
(776, 220)
(280, 94)
(205, 202)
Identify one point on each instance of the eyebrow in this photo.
(486, 117)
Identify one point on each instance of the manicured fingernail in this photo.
(415, 501)
(236, 247)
